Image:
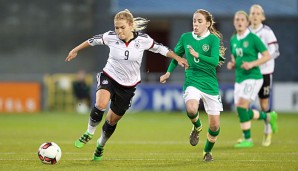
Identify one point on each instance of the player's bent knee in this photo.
(96, 114)
(243, 115)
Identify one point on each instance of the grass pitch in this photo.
(143, 141)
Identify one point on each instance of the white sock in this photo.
(102, 140)
(91, 129)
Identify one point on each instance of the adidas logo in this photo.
(104, 82)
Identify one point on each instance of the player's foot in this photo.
(244, 144)
(194, 135)
(267, 140)
(98, 153)
(273, 121)
(79, 143)
(207, 157)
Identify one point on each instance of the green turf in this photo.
(144, 141)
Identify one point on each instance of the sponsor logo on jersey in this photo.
(205, 47)
(245, 44)
(104, 82)
(91, 40)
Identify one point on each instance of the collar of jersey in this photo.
(244, 35)
(135, 35)
(257, 29)
(200, 37)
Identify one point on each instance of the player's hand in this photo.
(193, 52)
(71, 55)
(163, 78)
(221, 61)
(183, 62)
(230, 65)
(247, 65)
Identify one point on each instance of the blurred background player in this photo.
(81, 91)
(117, 83)
(257, 17)
(245, 47)
(202, 48)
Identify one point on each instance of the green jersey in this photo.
(246, 50)
(202, 70)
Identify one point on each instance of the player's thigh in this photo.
(192, 98)
(102, 98)
(122, 99)
(249, 89)
(212, 104)
(265, 90)
(192, 93)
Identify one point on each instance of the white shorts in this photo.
(248, 89)
(212, 103)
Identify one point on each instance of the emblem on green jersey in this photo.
(205, 47)
(245, 44)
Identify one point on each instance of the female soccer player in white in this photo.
(257, 17)
(245, 47)
(121, 74)
(202, 48)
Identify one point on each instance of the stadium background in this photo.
(36, 36)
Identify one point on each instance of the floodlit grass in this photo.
(144, 141)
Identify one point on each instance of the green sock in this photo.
(263, 116)
(208, 146)
(246, 134)
(197, 123)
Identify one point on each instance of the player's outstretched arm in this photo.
(181, 61)
(74, 52)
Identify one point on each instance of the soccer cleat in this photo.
(273, 121)
(79, 143)
(194, 135)
(98, 153)
(267, 140)
(207, 157)
(244, 144)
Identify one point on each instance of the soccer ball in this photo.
(49, 153)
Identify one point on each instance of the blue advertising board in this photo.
(169, 97)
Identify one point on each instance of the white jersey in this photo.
(125, 58)
(267, 36)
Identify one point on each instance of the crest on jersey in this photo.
(137, 45)
(205, 47)
(245, 44)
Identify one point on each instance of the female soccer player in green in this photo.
(202, 49)
(245, 47)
